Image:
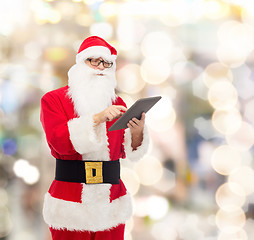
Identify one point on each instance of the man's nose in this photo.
(100, 66)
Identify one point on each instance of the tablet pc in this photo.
(140, 106)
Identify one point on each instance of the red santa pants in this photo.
(116, 233)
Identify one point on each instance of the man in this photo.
(87, 199)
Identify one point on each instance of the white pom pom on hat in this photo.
(96, 47)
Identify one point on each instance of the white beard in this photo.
(90, 92)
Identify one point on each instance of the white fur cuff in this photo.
(141, 150)
(83, 136)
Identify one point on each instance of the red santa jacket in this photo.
(80, 206)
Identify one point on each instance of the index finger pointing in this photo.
(119, 107)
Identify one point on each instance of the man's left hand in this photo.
(137, 127)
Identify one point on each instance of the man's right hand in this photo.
(109, 114)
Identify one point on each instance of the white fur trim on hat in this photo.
(95, 52)
(141, 150)
(95, 216)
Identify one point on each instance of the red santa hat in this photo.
(96, 47)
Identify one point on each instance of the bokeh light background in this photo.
(197, 181)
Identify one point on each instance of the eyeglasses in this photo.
(96, 62)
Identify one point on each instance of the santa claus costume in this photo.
(80, 203)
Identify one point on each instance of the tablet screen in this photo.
(140, 106)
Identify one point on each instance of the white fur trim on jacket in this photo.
(93, 216)
(84, 136)
(141, 150)
(95, 52)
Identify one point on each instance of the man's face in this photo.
(92, 81)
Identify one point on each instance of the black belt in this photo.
(89, 172)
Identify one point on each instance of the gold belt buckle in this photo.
(91, 168)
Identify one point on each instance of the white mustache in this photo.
(100, 72)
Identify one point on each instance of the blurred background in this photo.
(197, 181)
